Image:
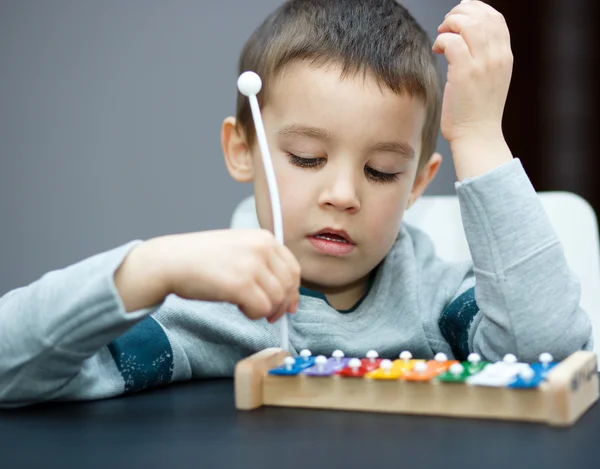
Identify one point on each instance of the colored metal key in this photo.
(460, 375)
(533, 378)
(354, 369)
(499, 374)
(423, 371)
(293, 367)
(328, 368)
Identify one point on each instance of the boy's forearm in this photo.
(526, 293)
(479, 153)
(140, 281)
(50, 329)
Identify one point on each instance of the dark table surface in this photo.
(195, 425)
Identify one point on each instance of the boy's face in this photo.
(345, 154)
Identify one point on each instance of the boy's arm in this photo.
(102, 327)
(54, 332)
(524, 300)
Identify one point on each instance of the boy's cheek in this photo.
(387, 214)
(263, 207)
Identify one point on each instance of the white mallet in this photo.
(249, 84)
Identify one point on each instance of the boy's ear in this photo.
(424, 177)
(238, 157)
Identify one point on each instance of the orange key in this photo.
(429, 370)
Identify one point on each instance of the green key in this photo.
(458, 373)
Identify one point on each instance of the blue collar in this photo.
(317, 294)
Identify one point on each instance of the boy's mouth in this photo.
(329, 234)
(332, 242)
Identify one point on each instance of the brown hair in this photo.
(375, 37)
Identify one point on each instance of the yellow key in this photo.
(392, 370)
(385, 371)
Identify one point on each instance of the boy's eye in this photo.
(378, 176)
(371, 173)
(304, 162)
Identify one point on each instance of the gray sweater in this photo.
(67, 336)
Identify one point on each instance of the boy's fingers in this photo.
(282, 272)
(287, 308)
(277, 316)
(290, 282)
(272, 287)
(255, 304)
(456, 23)
(472, 8)
(482, 7)
(491, 17)
(292, 265)
(470, 29)
(453, 47)
(290, 259)
(468, 9)
(289, 304)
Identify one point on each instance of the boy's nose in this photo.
(341, 194)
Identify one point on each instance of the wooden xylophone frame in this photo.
(570, 389)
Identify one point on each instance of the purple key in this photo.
(327, 368)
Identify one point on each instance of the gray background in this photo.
(110, 114)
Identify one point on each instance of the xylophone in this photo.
(556, 393)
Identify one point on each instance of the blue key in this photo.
(539, 372)
(291, 369)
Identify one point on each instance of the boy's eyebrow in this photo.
(298, 130)
(400, 147)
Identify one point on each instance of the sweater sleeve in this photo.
(54, 334)
(522, 297)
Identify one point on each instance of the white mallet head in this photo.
(249, 84)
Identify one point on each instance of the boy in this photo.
(352, 106)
